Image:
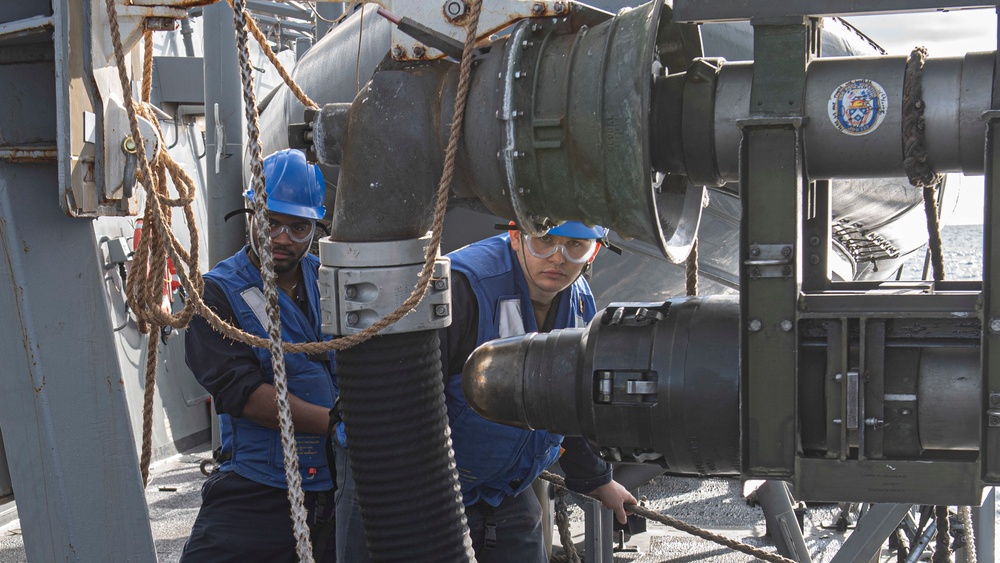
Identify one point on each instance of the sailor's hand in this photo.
(614, 497)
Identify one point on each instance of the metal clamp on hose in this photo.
(361, 282)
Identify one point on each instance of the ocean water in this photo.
(963, 254)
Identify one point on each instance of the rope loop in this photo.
(918, 168)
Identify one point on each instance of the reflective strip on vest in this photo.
(511, 320)
(255, 300)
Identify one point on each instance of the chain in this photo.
(559, 482)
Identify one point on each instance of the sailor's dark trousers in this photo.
(244, 521)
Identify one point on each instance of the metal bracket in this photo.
(446, 19)
(771, 261)
(362, 282)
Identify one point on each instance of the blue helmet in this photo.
(293, 186)
(576, 229)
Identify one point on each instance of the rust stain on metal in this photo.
(160, 24)
(28, 154)
(174, 3)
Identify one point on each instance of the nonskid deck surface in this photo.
(173, 496)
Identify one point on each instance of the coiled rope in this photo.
(158, 243)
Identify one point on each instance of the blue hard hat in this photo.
(293, 186)
(576, 229)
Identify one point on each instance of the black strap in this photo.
(490, 519)
(323, 527)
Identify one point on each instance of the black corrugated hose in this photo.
(392, 396)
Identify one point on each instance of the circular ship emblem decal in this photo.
(857, 107)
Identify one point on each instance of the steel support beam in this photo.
(990, 445)
(984, 523)
(598, 532)
(771, 188)
(782, 524)
(223, 133)
(872, 530)
(63, 408)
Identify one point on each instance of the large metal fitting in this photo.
(361, 282)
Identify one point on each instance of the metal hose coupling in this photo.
(644, 382)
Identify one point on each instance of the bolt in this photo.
(995, 325)
(786, 270)
(454, 9)
(837, 421)
(520, 74)
(995, 420)
(441, 284)
(814, 240)
(418, 51)
(755, 325)
(538, 8)
(535, 28)
(352, 319)
(786, 251)
(814, 259)
(995, 399)
(754, 251)
(558, 7)
(905, 412)
(838, 377)
(441, 310)
(786, 325)
(527, 44)
(755, 272)
(351, 292)
(397, 52)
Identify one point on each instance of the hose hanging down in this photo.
(405, 473)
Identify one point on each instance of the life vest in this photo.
(256, 451)
(496, 460)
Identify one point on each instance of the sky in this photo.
(945, 34)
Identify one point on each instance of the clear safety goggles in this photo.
(299, 232)
(576, 250)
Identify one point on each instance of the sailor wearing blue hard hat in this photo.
(295, 190)
(244, 513)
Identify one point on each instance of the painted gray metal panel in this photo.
(180, 80)
(223, 88)
(62, 402)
